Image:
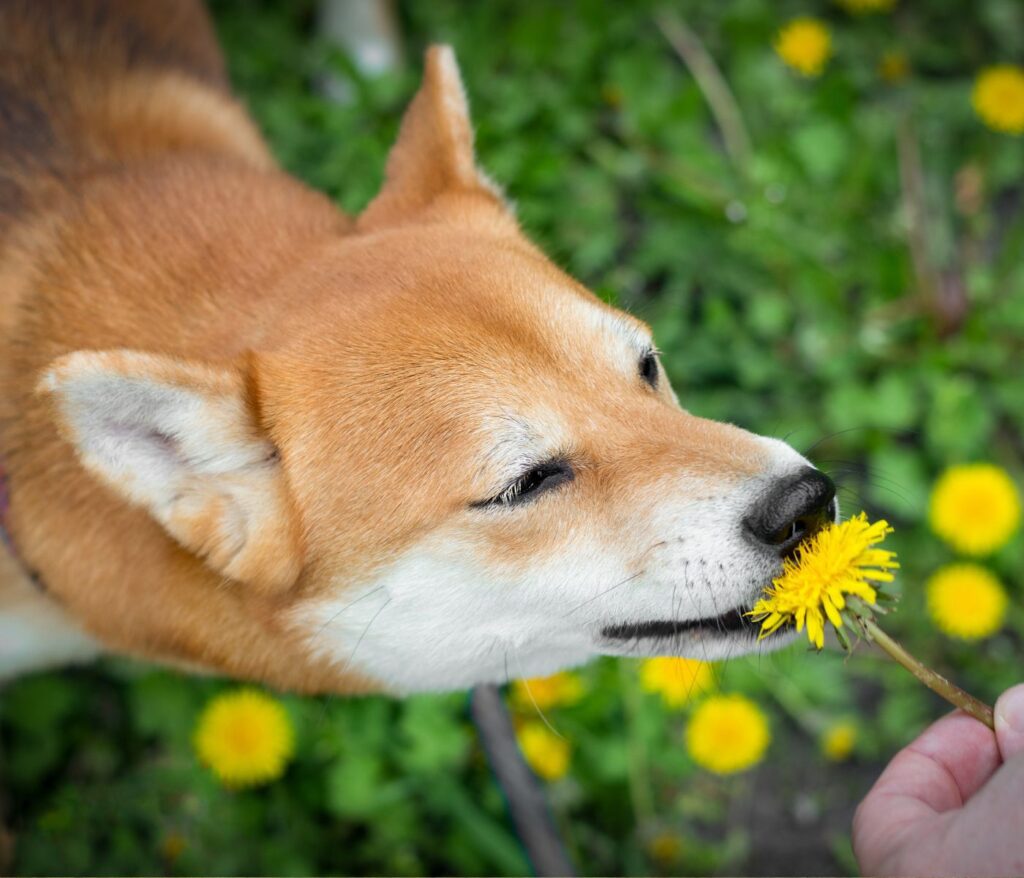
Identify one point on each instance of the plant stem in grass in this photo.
(640, 792)
(800, 709)
(933, 680)
(712, 84)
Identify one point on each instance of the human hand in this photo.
(950, 803)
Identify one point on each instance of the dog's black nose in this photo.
(793, 508)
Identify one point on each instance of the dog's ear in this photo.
(183, 441)
(433, 155)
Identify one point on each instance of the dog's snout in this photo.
(792, 509)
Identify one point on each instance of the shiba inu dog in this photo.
(245, 433)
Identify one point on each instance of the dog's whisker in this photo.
(373, 619)
(350, 604)
(526, 685)
(625, 581)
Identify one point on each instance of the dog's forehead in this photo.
(615, 327)
(462, 297)
(474, 337)
(520, 296)
(530, 344)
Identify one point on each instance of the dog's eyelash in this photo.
(535, 481)
(649, 367)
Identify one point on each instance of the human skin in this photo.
(950, 803)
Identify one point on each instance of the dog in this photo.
(244, 433)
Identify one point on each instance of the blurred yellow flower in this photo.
(975, 508)
(612, 95)
(805, 45)
(863, 7)
(245, 737)
(547, 754)
(998, 98)
(727, 734)
(836, 561)
(665, 848)
(966, 601)
(894, 66)
(676, 680)
(838, 741)
(547, 692)
(172, 846)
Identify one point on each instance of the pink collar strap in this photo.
(5, 505)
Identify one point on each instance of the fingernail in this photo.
(1010, 722)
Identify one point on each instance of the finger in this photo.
(946, 765)
(1010, 722)
(985, 837)
(936, 773)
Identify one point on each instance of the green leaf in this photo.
(491, 838)
(433, 737)
(823, 149)
(898, 482)
(355, 786)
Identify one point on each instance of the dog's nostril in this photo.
(793, 509)
(783, 534)
(795, 530)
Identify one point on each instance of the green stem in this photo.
(1017, 615)
(639, 775)
(797, 705)
(712, 83)
(933, 680)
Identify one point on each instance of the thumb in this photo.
(1010, 722)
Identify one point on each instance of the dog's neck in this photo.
(62, 521)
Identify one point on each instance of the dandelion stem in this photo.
(933, 680)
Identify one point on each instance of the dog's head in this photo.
(452, 464)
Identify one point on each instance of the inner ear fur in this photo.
(183, 441)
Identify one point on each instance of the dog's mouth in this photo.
(734, 621)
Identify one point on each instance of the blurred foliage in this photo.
(854, 285)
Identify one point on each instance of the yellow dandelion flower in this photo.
(975, 508)
(840, 561)
(864, 7)
(547, 754)
(836, 561)
(676, 680)
(805, 45)
(245, 737)
(998, 98)
(966, 601)
(727, 734)
(894, 66)
(559, 689)
(838, 741)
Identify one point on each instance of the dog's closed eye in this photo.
(535, 481)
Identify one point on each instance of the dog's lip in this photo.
(730, 622)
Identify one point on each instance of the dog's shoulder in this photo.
(86, 84)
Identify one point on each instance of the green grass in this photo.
(784, 296)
